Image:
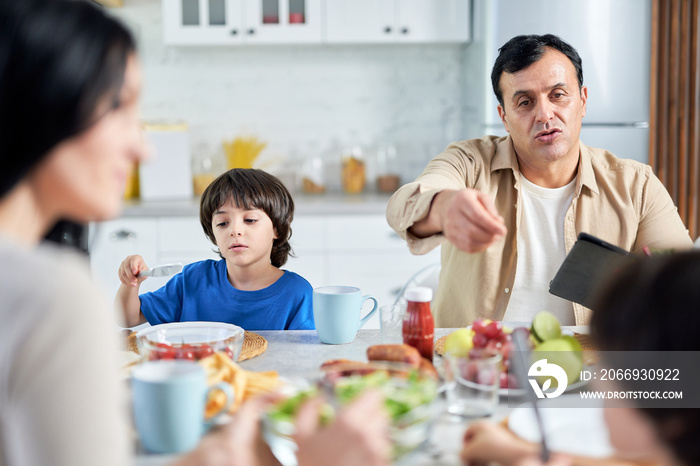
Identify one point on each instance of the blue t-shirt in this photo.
(202, 292)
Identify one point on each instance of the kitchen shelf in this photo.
(304, 204)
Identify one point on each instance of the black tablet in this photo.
(587, 262)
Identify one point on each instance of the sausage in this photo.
(335, 368)
(426, 368)
(397, 353)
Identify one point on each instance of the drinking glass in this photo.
(471, 385)
(391, 323)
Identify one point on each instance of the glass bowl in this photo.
(190, 340)
(410, 399)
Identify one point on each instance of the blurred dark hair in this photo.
(250, 188)
(522, 51)
(653, 304)
(60, 60)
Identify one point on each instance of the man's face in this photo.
(542, 110)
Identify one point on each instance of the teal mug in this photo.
(337, 313)
(169, 397)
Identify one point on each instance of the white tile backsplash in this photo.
(296, 97)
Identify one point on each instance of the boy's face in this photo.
(244, 237)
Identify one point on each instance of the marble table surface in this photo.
(300, 353)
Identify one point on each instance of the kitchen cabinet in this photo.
(357, 250)
(236, 22)
(244, 22)
(161, 240)
(409, 21)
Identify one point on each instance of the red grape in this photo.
(478, 326)
(503, 380)
(494, 330)
(480, 340)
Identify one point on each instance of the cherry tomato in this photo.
(202, 351)
(229, 352)
(164, 351)
(186, 351)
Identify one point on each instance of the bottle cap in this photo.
(419, 294)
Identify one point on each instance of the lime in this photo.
(545, 326)
(564, 352)
(574, 344)
(459, 342)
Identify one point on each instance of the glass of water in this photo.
(471, 384)
(391, 322)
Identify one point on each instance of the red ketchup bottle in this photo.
(418, 325)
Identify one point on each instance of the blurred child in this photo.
(648, 305)
(247, 214)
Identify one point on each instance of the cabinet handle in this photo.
(387, 30)
(251, 31)
(234, 32)
(122, 235)
(404, 30)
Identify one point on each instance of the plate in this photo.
(576, 431)
(511, 391)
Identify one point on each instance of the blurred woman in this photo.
(69, 91)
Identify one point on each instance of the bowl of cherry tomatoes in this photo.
(190, 340)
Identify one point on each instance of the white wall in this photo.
(303, 99)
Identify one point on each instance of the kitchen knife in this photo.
(521, 365)
(164, 270)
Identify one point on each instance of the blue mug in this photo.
(337, 313)
(169, 397)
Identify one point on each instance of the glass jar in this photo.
(312, 177)
(353, 171)
(388, 179)
(203, 169)
(418, 325)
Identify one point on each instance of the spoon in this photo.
(164, 270)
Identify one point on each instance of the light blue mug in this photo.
(169, 397)
(337, 313)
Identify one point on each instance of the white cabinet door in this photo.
(202, 22)
(433, 21)
(360, 21)
(380, 274)
(181, 239)
(376, 21)
(309, 245)
(282, 21)
(111, 242)
(361, 233)
(363, 251)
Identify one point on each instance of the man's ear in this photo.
(502, 114)
(584, 99)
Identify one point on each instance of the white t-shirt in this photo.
(541, 251)
(61, 402)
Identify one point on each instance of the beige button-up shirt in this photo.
(618, 200)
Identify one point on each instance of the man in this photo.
(511, 208)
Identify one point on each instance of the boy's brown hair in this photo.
(251, 188)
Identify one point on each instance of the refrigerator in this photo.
(613, 38)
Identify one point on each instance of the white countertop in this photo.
(304, 204)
